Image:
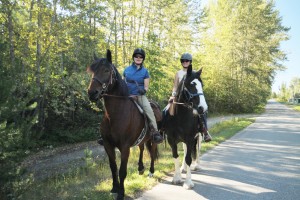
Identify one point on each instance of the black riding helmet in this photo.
(139, 51)
(186, 56)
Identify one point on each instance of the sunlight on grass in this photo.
(93, 181)
(297, 108)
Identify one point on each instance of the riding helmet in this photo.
(186, 56)
(139, 51)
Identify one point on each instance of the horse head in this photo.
(190, 88)
(103, 76)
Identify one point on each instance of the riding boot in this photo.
(100, 141)
(202, 128)
(207, 136)
(156, 136)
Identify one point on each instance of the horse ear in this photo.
(189, 70)
(108, 56)
(95, 56)
(199, 72)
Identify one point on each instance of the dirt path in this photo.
(53, 161)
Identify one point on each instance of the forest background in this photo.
(46, 45)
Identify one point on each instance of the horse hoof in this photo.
(113, 191)
(177, 182)
(141, 172)
(195, 168)
(188, 186)
(114, 195)
(150, 175)
(120, 197)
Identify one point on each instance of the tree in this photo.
(242, 48)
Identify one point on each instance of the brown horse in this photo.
(122, 123)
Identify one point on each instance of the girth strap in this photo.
(145, 129)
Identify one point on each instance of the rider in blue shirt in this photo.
(135, 75)
(137, 79)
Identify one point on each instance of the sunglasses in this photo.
(138, 56)
(182, 61)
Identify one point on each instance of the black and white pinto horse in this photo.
(183, 126)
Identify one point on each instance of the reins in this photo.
(117, 96)
(190, 105)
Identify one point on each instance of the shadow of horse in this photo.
(123, 124)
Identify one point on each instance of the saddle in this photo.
(155, 107)
(157, 114)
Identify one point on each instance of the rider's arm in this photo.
(175, 86)
(146, 83)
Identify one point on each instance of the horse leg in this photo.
(188, 184)
(183, 166)
(177, 175)
(152, 148)
(196, 162)
(113, 167)
(123, 172)
(141, 168)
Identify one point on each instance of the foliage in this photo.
(289, 93)
(242, 46)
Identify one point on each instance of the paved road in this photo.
(260, 162)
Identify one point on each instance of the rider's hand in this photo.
(171, 99)
(200, 109)
(142, 91)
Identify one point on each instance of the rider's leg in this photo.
(145, 104)
(100, 140)
(207, 136)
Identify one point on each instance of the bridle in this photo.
(188, 96)
(112, 79)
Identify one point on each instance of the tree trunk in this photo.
(41, 114)
(116, 36)
(11, 41)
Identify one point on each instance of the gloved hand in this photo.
(142, 91)
(200, 109)
(171, 99)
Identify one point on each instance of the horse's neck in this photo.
(117, 97)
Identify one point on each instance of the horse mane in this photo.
(121, 83)
(180, 87)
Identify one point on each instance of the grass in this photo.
(295, 107)
(93, 181)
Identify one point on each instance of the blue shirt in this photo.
(132, 74)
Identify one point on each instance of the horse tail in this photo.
(151, 146)
(194, 149)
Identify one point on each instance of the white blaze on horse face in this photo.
(200, 90)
